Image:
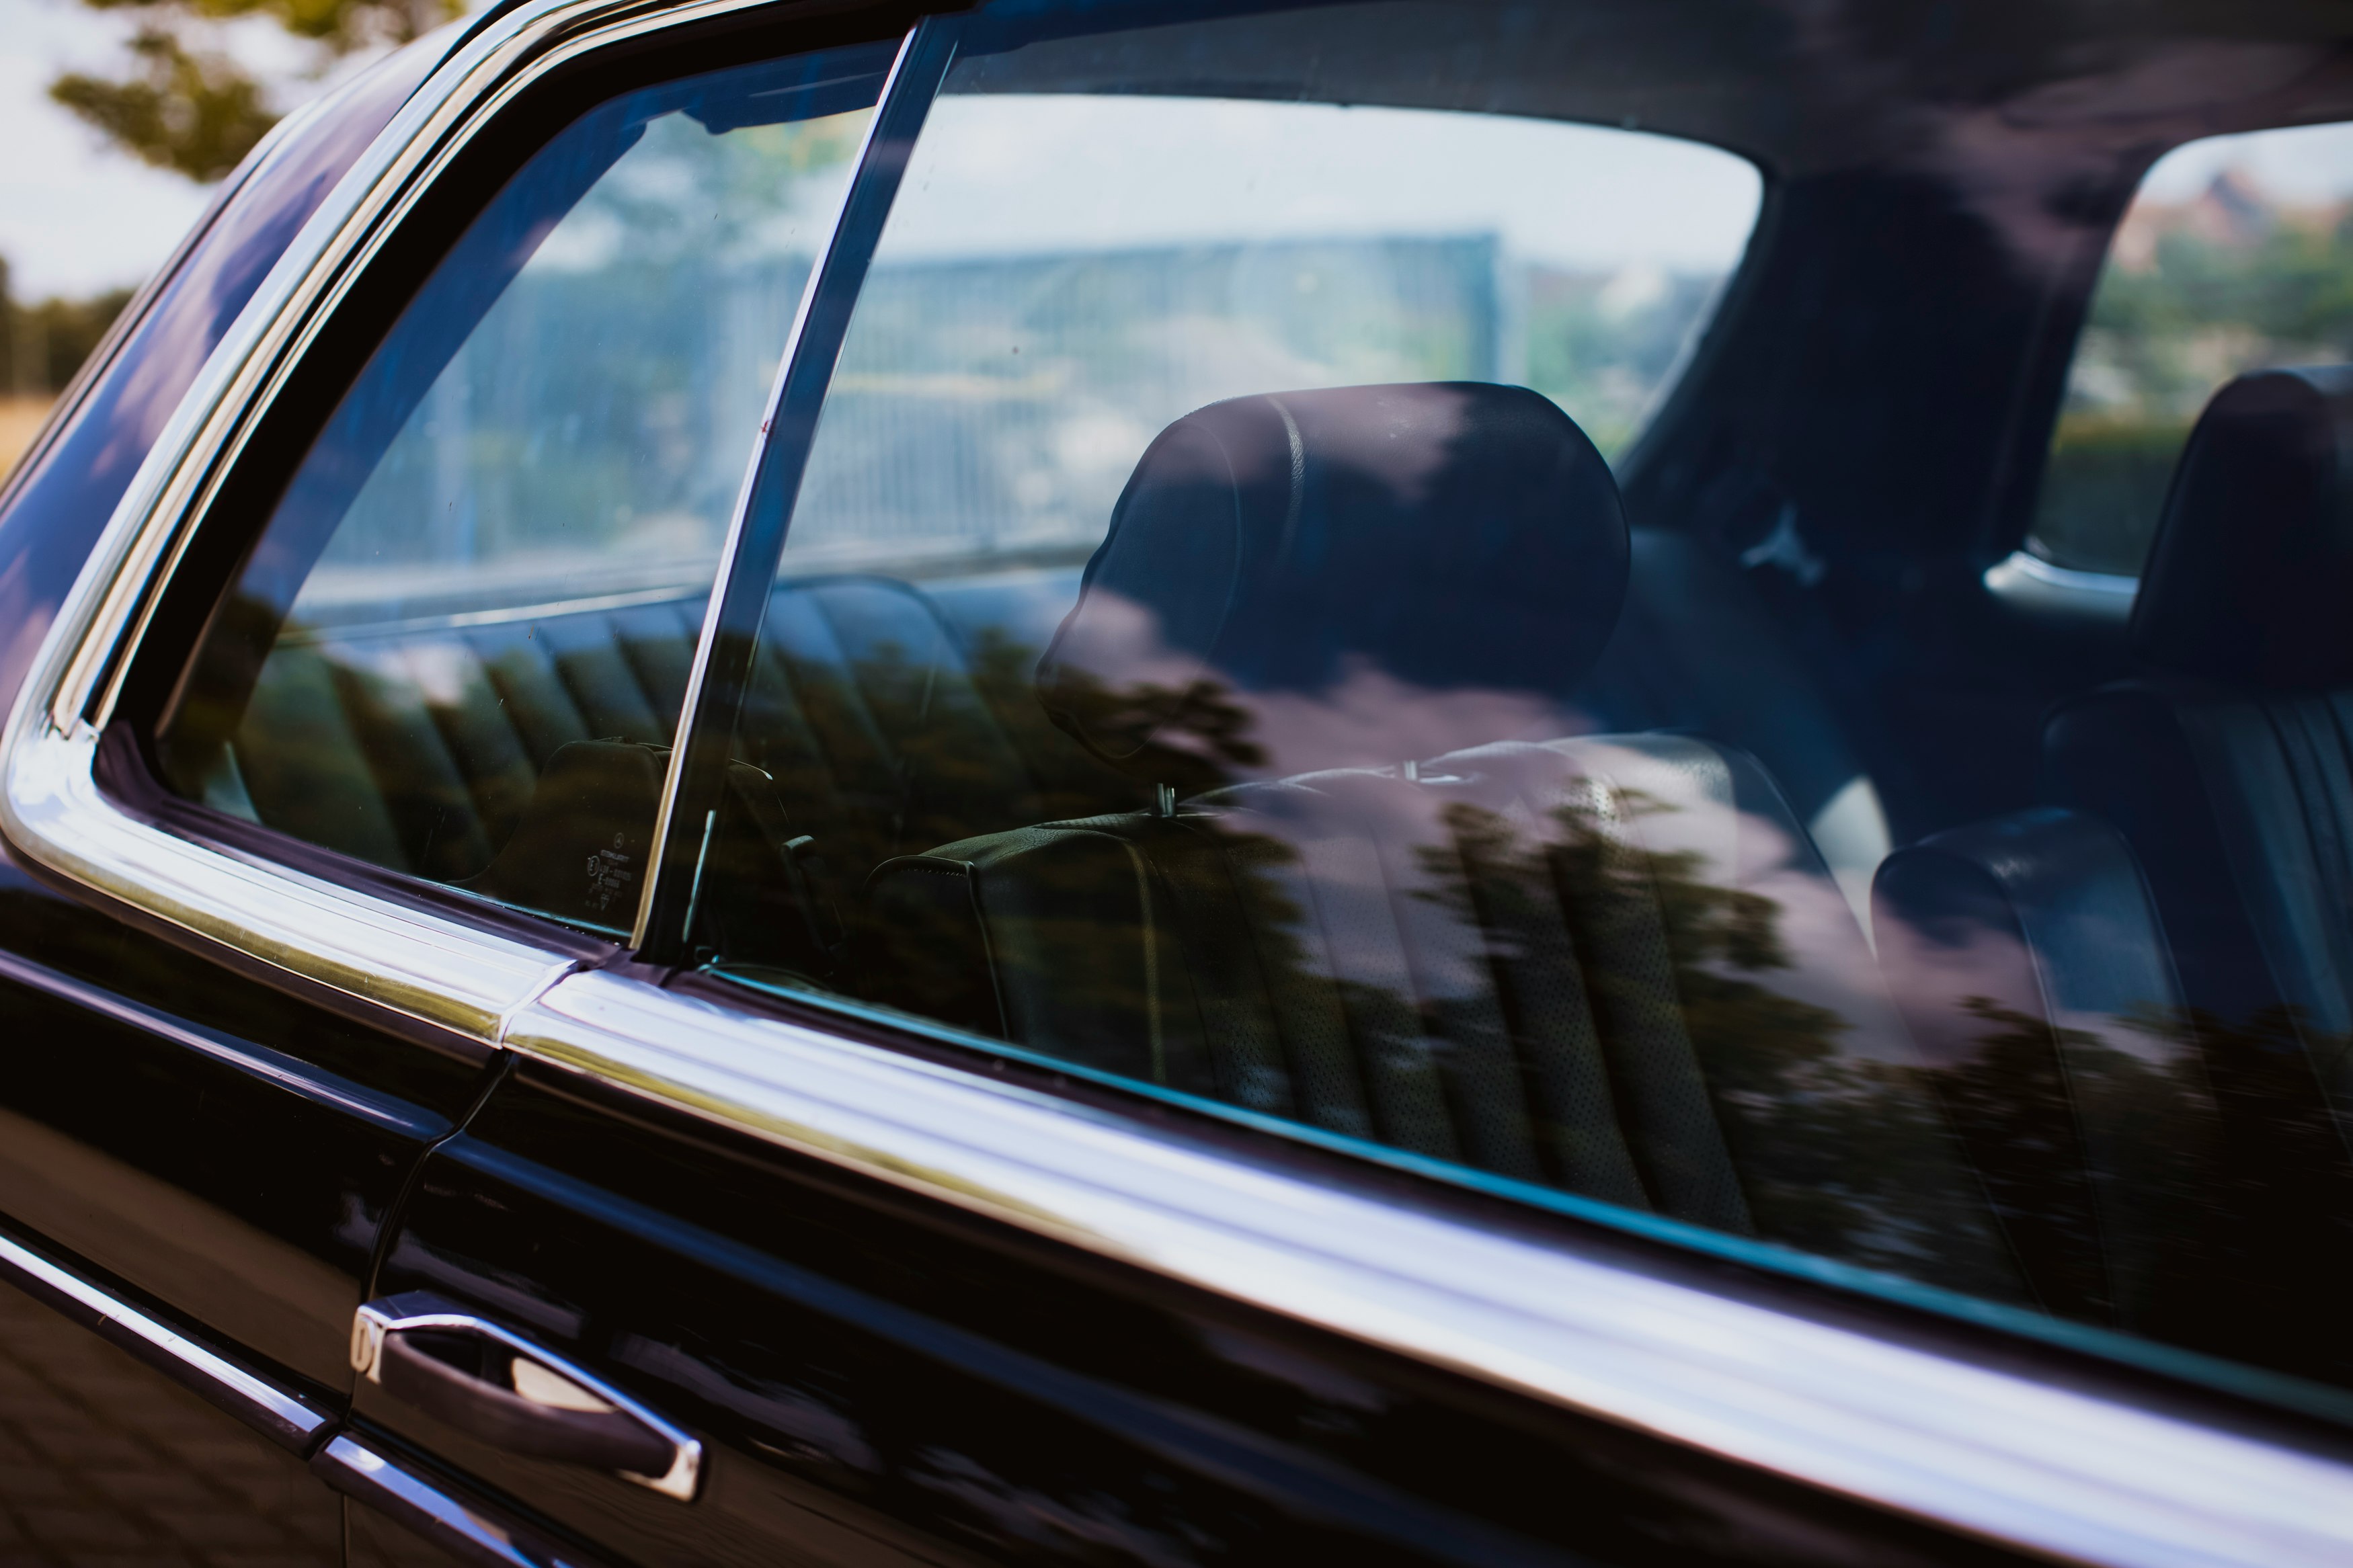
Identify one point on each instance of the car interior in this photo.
(1819, 892)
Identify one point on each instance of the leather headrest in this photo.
(2251, 576)
(1453, 550)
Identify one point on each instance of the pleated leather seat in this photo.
(1614, 965)
(417, 746)
(2228, 767)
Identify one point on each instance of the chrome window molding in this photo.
(423, 966)
(441, 971)
(1991, 1453)
(254, 1400)
(2031, 583)
(823, 278)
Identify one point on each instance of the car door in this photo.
(207, 1127)
(961, 1217)
(193, 1169)
(1008, 1032)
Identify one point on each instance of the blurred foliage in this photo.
(1604, 345)
(2103, 486)
(2163, 333)
(187, 106)
(41, 345)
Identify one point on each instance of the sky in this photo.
(76, 216)
(2309, 164)
(1014, 173)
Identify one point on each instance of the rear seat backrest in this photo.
(1696, 650)
(417, 747)
(1615, 964)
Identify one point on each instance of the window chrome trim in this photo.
(424, 965)
(2031, 583)
(427, 966)
(1991, 1453)
(806, 367)
(254, 1400)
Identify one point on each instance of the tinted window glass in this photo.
(486, 579)
(1188, 663)
(1068, 273)
(2237, 254)
(1229, 642)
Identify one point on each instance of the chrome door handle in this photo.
(471, 1373)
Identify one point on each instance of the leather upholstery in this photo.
(1449, 537)
(418, 747)
(2229, 770)
(2029, 961)
(2251, 567)
(1612, 963)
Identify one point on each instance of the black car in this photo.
(1105, 781)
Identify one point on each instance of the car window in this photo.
(2235, 256)
(1069, 272)
(1435, 612)
(1225, 647)
(1182, 667)
(494, 559)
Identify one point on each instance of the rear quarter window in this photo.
(2236, 255)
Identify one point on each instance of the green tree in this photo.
(41, 345)
(186, 105)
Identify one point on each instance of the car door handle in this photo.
(491, 1382)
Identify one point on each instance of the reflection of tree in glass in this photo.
(2276, 1272)
(2010, 1099)
(1616, 1032)
(1188, 739)
(1736, 1104)
(1071, 781)
(2099, 1161)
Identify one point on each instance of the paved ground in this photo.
(104, 1464)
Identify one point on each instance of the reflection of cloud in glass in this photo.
(1171, 705)
(1147, 171)
(1612, 964)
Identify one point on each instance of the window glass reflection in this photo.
(460, 646)
(1211, 651)
(1298, 795)
(1069, 273)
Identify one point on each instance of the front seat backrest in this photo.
(2229, 769)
